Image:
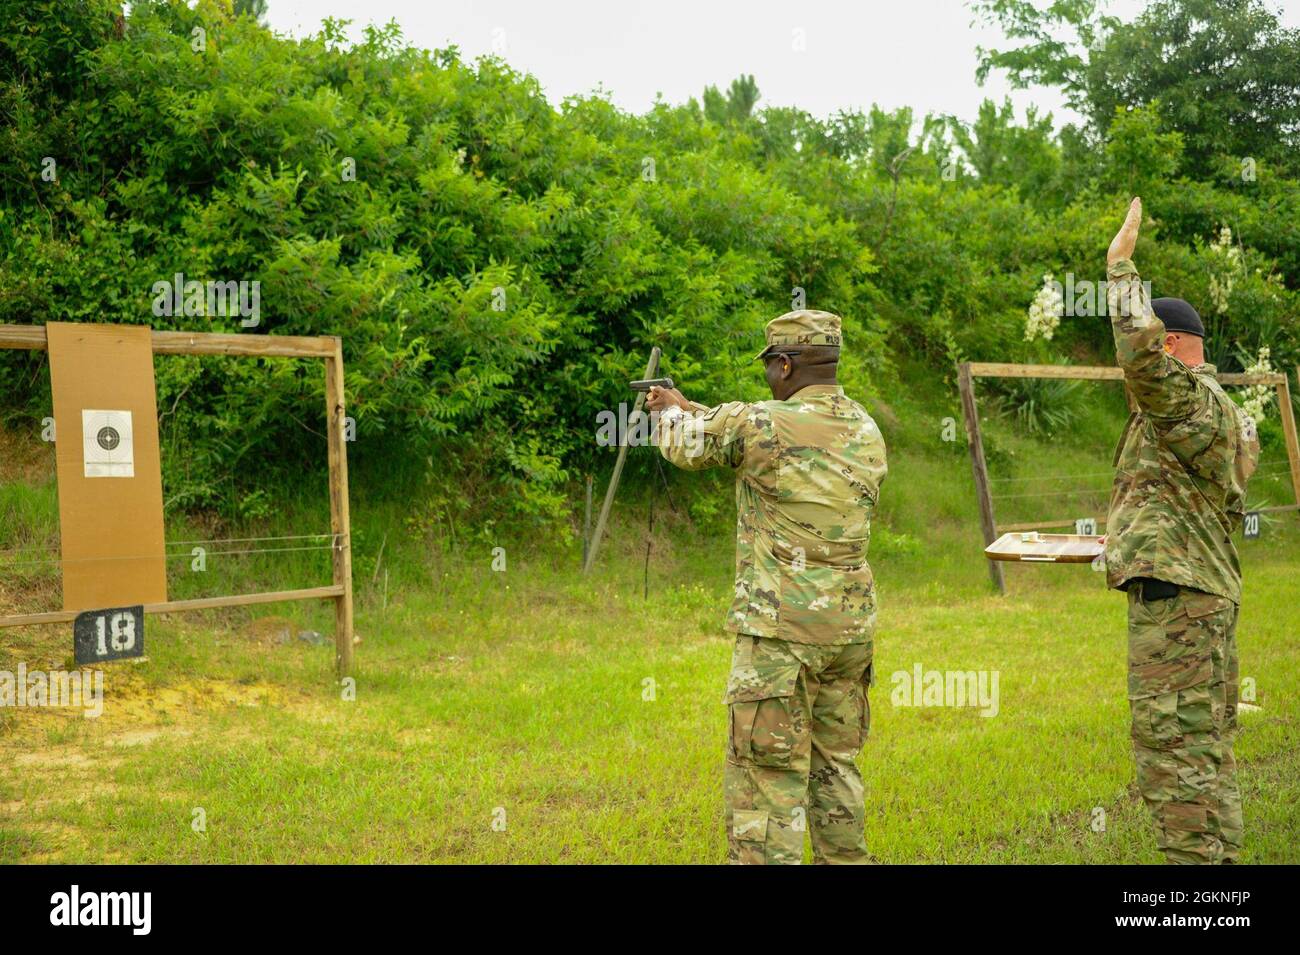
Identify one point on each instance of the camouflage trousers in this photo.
(798, 716)
(1182, 688)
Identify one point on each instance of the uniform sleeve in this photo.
(1162, 386)
(708, 438)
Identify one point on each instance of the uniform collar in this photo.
(1205, 368)
(810, 391)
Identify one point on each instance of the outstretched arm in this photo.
(694, 437)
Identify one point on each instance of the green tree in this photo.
(253, 8)
(1044, 58)
(1226, 73)
(1140, 158)
(1025, 158)
(736, 106)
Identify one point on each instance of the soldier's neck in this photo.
(800, 385)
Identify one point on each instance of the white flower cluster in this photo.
(1257, 397)
(1228, 259)
(1045, 311)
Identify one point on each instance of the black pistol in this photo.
(648, 383)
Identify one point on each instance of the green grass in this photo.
(522, 691)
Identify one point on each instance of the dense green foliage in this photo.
(499, 266)
(1224, 73)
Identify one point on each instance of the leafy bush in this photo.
(1041, 406)
(499, 267)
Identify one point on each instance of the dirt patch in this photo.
(63, 759)
(136, 713)
(139, 737)
(132, 700)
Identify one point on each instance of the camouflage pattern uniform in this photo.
(1179, 493)
(808, 475)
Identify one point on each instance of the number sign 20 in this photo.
(112, 634)
(1250, 525)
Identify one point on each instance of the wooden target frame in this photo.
(967, 372)
(328, 349)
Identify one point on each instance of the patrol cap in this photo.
(806, 326)
(1178, 316)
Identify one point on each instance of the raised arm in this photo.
(1162, 386)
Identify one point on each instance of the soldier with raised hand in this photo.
(809, 465)
(1179, 494)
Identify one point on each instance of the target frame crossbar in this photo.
(325, 348)
(968, 371)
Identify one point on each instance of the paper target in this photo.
(109, 450)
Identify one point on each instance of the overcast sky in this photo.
(822, 57)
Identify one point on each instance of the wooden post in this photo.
(1289, 431)
(651, 371)
(340, 523)
(330, 350)
(586, 524)
(975, 444)
(968, 371)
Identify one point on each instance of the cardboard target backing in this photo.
(108, 465)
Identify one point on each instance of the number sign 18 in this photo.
(112, 634)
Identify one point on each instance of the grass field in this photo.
(503, 716)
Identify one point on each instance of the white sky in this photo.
(918, 53)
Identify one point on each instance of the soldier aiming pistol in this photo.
(809, 465)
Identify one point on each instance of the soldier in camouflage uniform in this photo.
(808, 465)
(1179, 493)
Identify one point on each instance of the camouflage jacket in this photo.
(808, 475)
(1182, 464)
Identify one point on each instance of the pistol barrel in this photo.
(647, 383)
